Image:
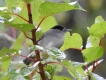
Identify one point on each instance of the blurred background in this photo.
(77, 20)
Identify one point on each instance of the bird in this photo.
(54, 37)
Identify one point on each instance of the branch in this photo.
(29, 13)
(40, 65)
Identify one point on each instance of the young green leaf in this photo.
(4, 51)
(5, 15)
(34, 7)
(25, 71)
(5, 64)
(11, 3)
(50, 70)
(92, 53)
(94, 40)
(22, 27)
(6, 77)
(6, 55)
(98, 29)
(51, 8)
(70, 67)
(18, 43)
(24, 13)
(56, 53)
(17, 77)
(74, 41)
(99, 19)
(79, 68)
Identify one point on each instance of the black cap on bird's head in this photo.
(61, 28)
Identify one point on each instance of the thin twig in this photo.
(20, 17)
(27, 36)
(27, 57)
(40, 23)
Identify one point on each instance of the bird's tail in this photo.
(29, 59)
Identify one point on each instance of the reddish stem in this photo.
(100, 42)
(40, 23)
(20, 17)
(27, 36)
(29, 13)
(40, 65)
(27, 57)
(94, 66)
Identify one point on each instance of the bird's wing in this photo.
(41, 37)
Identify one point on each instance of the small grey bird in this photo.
(54, 37)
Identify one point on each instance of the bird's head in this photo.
(60, 28)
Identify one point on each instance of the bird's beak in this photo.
(68, 30)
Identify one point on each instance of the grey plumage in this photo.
(52, 38)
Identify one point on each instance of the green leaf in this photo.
(50, 8)
(4, 51)
(5, 54)
(94, 40)
(11, 3)
(18, 77)
(34, 7)
(24, 13)
(50, 70)
(92, 53)
(71, 68)
(7, 77)
(74, 41)
(56, 53)
(19, 41)
(80, 70)
(5, 14)
(22, 27)
(98, 29)
(61, 78)
(99, 19)
(12, 71)
(25, 71)
(4, 58)
(5, 64)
